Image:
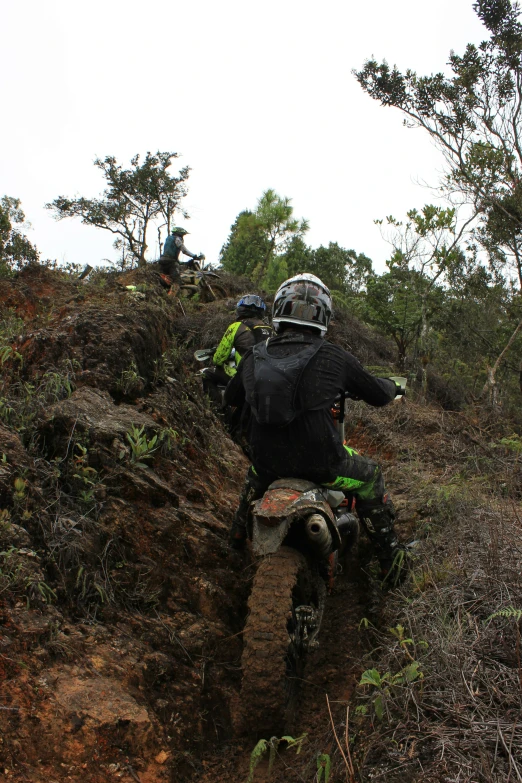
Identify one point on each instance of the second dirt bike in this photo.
(202, 281)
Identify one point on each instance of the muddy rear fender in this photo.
(268, 539)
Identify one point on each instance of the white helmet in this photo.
(303, 300)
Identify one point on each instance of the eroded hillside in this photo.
(122, 605)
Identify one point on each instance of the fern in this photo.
(509, 612)
(272, 745)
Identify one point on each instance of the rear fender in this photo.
(274, 514)
(267, 540)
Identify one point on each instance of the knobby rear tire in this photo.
(267, 692)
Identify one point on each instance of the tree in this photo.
(245, 247)
(343, 271)
(392, 304)
(15, 248)
(136, 198)
(427, 243)
(257, 237)
(475, 118)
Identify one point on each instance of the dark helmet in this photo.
(303, 300)
(179, 231)
(251, 305)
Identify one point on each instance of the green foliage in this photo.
(22, 401)
(7, 353)
(509, 612)
(324, 766)
(15, 249)
(473, 116)
(271, 746)
(245, 247)
(142, 448)
(257, 238)
(382, 684)
(20, 575)
(169, 439)
(85, 476)
(268, 246)
(514, 443)
(135, 200)
(19, 489)
(130, 380)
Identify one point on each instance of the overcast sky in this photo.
(253, 95)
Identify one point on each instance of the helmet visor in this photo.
(252, 300)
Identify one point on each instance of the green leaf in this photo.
(324, 765)
(371, 677)
(255, 757)
(412, 673)
(378, 705)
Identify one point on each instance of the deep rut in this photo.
(333, 669)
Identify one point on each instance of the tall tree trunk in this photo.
(263, 267)
(423, 349)
(490, 385)
(142, 260)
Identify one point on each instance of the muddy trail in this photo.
(121, 604)
(332, 670)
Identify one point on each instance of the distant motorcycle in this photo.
(197, 280)
(215, 391)
(202, 281)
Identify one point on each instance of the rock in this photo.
(91, 411)
(100, 706)
(157, 667)
(13, 535)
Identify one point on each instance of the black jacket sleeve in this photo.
(360, 383)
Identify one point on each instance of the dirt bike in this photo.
(299, 532)
(195, 279)
(202, 281)
(204, 355)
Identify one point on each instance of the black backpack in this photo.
(276, 381)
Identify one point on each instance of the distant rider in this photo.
(248, 329)
(169, 260)
(290, 384)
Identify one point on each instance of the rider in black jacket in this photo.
(291, 383)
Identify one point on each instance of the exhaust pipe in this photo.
(318, 533)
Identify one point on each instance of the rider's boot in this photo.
(378, 519)
(252, 490)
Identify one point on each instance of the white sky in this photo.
(254, 95)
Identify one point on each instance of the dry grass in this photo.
(461, 722)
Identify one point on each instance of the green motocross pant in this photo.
(359, 475)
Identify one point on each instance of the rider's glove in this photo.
(400, 385)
